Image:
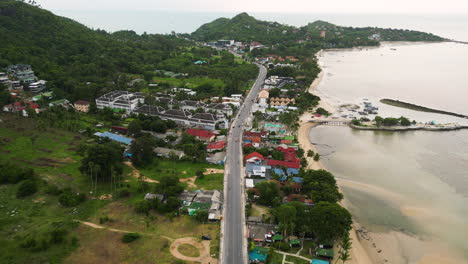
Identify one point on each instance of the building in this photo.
(216, 146)
(37, 87)
(5, 81)
(184, 117)
(123, 100)
(203, 135)
(61, 102)
(169, 153)
(254, 157)
(21, 107)
(287, 164)
(81, 106)
(253, 170)
(22, 72)
(323, 33)
(220, 108)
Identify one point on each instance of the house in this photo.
(220, 108)
(81, 106)
(168, 153)
(217, 158)
(152, 196)
(203, 135)
(256, 45)
(262, 134)
(254, 157)
(254, 170)
(216, 146)
(287, 164)
(187, 197)
(280, 173)
(61, 102)
(36, 87)
(255, 141)
(21, 107)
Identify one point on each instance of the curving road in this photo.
(234, 241)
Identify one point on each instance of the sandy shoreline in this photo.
(360, 252)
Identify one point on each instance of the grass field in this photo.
(297, 260)
(182, 170)
(157, 231)
(52, 154)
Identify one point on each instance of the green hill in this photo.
(242, 27)
(246, 28)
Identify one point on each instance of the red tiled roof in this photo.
(291, 150)
(254, 139)
(286, 141)
(254, 155)
(248, 145)
(290, 156)
(216, 145)
(82, 102)
(199, 133)
(287, 164)
(255, 134)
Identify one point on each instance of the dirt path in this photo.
(136, 173)
(203, 247)
(93, 225)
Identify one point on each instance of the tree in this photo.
(286, 215)
(378, 120)
(130, 237)
(329, 221)
(268, 192)
(5, 97)
(200, 174)
(134, 128)
(322, 111)
(102, 161)
(310, 153)
(26, 188)
(142, 150)
(201, 216)
(317, 157)
(405, 121)
(346, 246)
(275, 92)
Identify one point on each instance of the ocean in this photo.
(415, 182)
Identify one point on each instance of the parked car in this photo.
(205, 237)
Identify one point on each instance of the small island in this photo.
(401, 124)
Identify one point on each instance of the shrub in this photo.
(130, 237)
(143, 207)
(11, 173)
(57, 236)
(52, 189)
(283, 246)
(26, 188)
(69, 199)
(122, 193)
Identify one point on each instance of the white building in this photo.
(120, 100)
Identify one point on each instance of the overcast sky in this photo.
(299, 6)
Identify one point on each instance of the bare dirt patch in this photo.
(136, 173)
(203, 247)
(213, 171)
(190, 181)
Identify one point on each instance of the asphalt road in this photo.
(234, 241)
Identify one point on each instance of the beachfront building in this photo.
(123, 100)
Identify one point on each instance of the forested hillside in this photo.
(82, 63)
(246, 28)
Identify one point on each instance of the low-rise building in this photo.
(203, 135)
(81, 106)
(123, 100)
(169, 153)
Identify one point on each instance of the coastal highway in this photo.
(234, 242)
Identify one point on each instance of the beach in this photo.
(386, 245)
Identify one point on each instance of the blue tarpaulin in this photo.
(297, 179)
(115, 137)
(318, 261)
(292, 171)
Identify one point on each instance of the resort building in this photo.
(123, 100)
